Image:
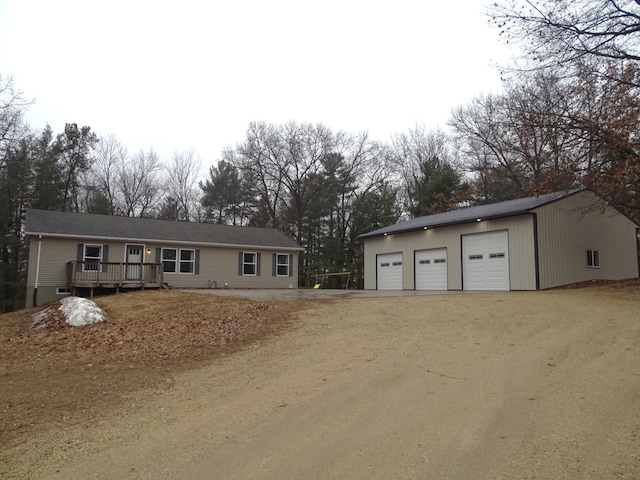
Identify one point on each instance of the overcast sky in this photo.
(193, 74)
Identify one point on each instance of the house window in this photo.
(169, 256)
(593, 258)
(282, 265)
(63, 291)
(249, 263)
(92, 255)
(187, 261)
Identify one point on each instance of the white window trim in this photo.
(192, 261)
(254, 263)
(98, 259)
(175, 261)
(589, 256)
(278, 264)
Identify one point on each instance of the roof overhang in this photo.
(163, 242)
(382, 233)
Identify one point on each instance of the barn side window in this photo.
(593, 258)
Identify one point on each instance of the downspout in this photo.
(35, 285)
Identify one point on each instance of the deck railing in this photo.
(110, 275)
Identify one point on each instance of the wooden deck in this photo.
(113, 275)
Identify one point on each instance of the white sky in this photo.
(193, 74)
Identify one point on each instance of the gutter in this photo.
(167, 242)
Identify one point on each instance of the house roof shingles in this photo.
(81, 225)
(471, 214)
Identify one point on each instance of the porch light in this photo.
(148, 251)
(424, 228)
(478, 219)
(386, 234)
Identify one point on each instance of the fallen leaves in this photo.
(146, 337)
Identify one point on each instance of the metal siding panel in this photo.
(568, 227)
(521, 245)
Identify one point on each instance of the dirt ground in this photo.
(512, 385)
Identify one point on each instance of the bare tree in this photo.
(12, 108)
(139, 185)
(259, 158)
(520, 142)
(182, 187)
(563, 35)
(430, 181)
(110, 157)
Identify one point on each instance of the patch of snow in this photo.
(81, 311)
(38, 319)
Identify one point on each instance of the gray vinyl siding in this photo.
(215, 264)
(570, 226)
(521, 251)
(53, 270)
(221, 266)
(54, 255)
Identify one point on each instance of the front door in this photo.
(134, 262)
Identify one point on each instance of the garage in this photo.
(431, 269)
(390, 271)
(485, 258)
(529, 243)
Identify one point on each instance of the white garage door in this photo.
(431, 269)
(486, 261)
(390, 271)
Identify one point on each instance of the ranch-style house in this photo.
(87, 254)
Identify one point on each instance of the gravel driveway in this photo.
(516, 385)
